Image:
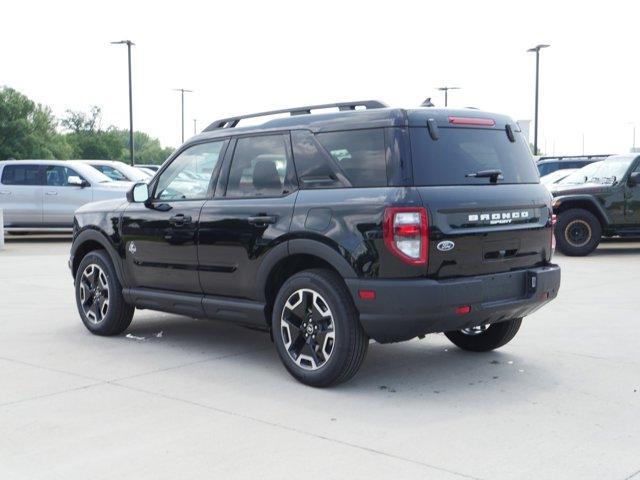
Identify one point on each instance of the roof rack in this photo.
(573, 157)
(342, 106)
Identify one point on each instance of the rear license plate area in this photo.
(504, 287)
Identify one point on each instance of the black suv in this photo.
(607, 204)
(330, 229)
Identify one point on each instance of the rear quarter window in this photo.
(462, 151)
(21, 175)
(360, 154)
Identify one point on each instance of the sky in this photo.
(250, 56)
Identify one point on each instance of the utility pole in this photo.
(195, 127)
(446, 92)
(536, 49)
(129, 44)
(182, 91)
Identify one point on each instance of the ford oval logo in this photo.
(445, 245)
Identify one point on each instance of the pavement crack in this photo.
(633, 475)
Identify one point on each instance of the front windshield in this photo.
(611, 170)
(580, 176)
(90, 173)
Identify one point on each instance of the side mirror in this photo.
(634, 179)
(76, 181)
(139, 193)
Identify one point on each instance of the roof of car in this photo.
(348, 120)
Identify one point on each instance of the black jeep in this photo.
(328, 230)
(606, 205)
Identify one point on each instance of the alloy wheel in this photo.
(578, 233)
(473, 331)
(94, 293)
(307, 329)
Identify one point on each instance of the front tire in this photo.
(485, 337)
(99, 296)
(316, 329)
(578, 232)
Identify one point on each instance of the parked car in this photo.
(557, 176)
(330, 229)
(118, 171)
(146, 170)
(546, 165)
(148, 166)
(607, 204)
(44, 194)
(577, 177)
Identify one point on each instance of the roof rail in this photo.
(342, 106)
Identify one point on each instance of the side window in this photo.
(189, 174)
(21, 175)
(58, 176)
(360, 154)
(259, 167)
(313, 167)
(111, 172)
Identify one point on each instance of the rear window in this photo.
(462, 151)
(21, 175)
(360, 155)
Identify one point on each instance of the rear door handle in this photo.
(50, 193)
(263, 220)
(180, 219)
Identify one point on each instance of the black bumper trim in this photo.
(404, 309)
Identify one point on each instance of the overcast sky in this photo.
(242, 56)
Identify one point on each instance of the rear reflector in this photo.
(463, 309)
(485, 122)
(367, 294)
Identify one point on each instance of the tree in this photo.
(86, 137)
(27, 129)
(147, 149)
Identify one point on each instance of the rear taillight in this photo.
(554, 220)
(406, 234)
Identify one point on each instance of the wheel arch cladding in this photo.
(585, 203)
(91, 240)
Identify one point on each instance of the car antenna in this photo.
(427, 103)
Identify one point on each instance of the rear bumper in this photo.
(403, 309)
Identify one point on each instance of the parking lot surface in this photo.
(183, 398)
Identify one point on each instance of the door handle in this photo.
(50, 193)
(180, 219)
(260, 220)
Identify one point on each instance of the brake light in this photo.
(485, 122)
(406, 234)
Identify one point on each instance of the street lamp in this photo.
(446, 91)
(182, 90)
(535, 121)
(129, 44)
(195, 127)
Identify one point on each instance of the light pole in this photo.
(182, 90)
(633, 138)
(195, 127)
(129, 44)
(446, 93)
(535, 120)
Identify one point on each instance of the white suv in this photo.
(44, 194)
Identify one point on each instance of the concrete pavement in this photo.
(184, 398)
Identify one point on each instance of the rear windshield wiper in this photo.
(493, 175)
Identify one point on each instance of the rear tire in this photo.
(316, 329)
(578, 232)
(99, 296)
(484, 339)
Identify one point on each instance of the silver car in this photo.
(44, 194)
(118, 171)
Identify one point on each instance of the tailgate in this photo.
(482, 229)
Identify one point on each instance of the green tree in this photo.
(147, 149)
(87, 138)
(27, 129)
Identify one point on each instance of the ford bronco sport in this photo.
(328, 230)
